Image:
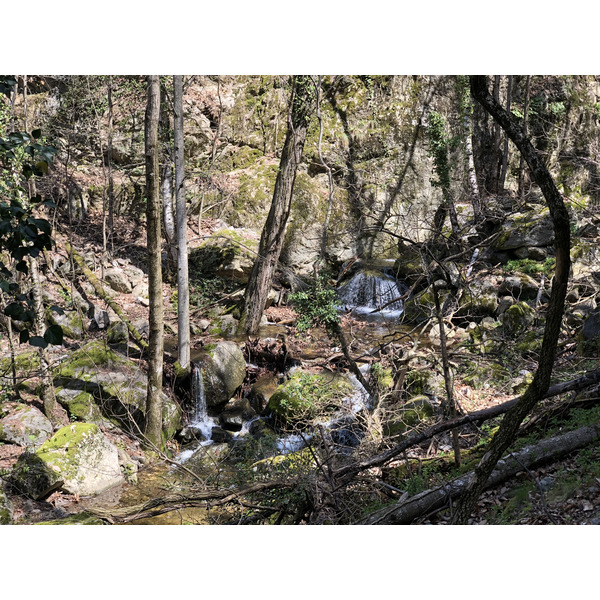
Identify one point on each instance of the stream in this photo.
(215, 462)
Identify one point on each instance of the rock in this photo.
(521, 287)
(416, 410)
(70, 320)
(6, 506)
(518, 318)
(136, 277)
(527, 229)
(24, 425)
(32, 476)
(224, 326)
(141, 291)
(220, 436)
(116, 385)
(307, 396)
(223, 370)
(101, 318)
(589, 344)
(129, 467)
(117, 333)
(117, 280)
(80, 405)
(261, 392)
(235, 413)
(78, 458)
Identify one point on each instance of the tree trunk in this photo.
(560, 218)
(271, 240)
(424, 503)
(521, 190)
(183, 291)
(472, 174)
(46, 387)
(505, 153)
(153, 420)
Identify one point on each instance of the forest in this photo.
(299, 300)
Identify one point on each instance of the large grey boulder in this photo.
(24, 425)
(223, 370)
(117, 280)
(78, 458)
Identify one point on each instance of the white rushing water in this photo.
(368, 291)
(201, 420)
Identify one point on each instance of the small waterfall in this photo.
(201, 420)
(368, 291)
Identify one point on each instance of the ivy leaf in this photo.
(14, 310)
(54, 335)
(38, 341)
(23, 336)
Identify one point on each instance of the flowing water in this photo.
(373, 294)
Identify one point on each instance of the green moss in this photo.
(305, 396)
(86, 361)
(24, 363)
(60, 450)
(518, 318)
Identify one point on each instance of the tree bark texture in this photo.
(153, 420)
(183, 289)
(530, 457)
(46, 387)
(271, 241)
(541, 381)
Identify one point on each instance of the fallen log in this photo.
(171, 502)
(347, 472)
(407, 511)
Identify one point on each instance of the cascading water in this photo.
(201, 420)
(369, 291)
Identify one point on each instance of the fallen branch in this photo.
(171, 502)
(530, 457)
(99, 289)
(347, 472)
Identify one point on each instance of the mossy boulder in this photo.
(229, 252)
(98, 384)
(23, 425)
(305, 397)
(78, 458)
(417, 410)
(117, 333)
(517, 319)
(71, 322)
(223, 369)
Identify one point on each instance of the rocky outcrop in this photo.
(100, 385)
